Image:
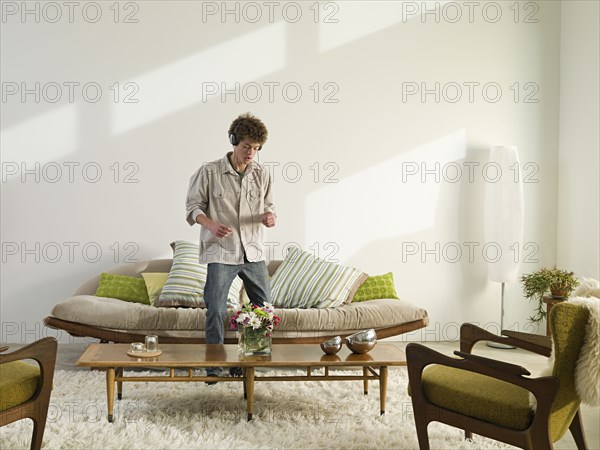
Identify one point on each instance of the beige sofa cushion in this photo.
(115, 314)
(381, 313)
(111, 313)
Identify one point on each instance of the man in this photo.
(232, 200)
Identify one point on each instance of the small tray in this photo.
(144, 354)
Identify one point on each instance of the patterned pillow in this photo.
(123, 287)
(379, 286)
(185, 284)
(303, 281)
(154, 284)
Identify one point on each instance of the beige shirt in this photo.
(215, 190)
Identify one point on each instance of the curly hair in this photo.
(248, 126)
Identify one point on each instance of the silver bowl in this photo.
(362, 342)
(332, 346)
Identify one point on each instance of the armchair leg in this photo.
(39, 421)
(539, 441)
(422, 434)
(38, 433)
(576, 429)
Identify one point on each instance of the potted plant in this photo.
(559, 283)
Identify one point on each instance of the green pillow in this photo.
(154, 284)
(379, 286)
(123, 287)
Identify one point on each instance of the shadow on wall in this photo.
(113, 173)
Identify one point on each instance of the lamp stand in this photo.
(498, 344)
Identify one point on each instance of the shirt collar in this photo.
(226, 165)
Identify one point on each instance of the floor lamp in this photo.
(504, 211)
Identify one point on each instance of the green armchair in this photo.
(492, 398)
(25, 388)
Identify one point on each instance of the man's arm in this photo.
(197, 205)
(268, 217)
(197, 197)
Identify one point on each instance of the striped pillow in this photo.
(185, 284)
(303, 281)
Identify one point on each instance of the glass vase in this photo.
(254, 341)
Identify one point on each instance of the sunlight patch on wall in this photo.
(47, 137)
(201, 77)
(384, 201)
(356, 20)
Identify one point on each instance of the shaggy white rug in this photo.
(287, 415)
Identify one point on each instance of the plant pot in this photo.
(253, 342)
(559, 292)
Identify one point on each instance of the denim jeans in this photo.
(218, 281)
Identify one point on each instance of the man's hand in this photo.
(268, 220)
(218, 229)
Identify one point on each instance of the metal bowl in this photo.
(360, 347)
(332, 346)
(364, 336)
(362, 342)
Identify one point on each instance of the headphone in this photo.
(233, 139)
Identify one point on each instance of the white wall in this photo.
(353, 200)
(579, 156)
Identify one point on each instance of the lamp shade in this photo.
(504, 210)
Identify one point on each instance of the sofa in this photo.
(112, 320)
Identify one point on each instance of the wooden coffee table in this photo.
(114, 358)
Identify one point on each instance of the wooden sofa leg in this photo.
(468, 435)
(576, 429)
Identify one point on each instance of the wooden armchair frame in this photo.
(537, 435)
(36, 408)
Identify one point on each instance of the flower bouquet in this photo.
(255, 324)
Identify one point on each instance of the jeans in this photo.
(218, 281)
